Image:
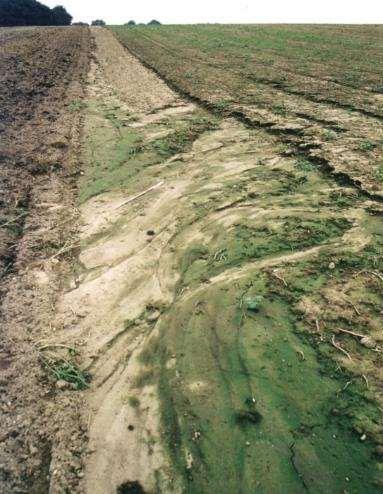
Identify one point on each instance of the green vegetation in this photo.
(134, 401)
(182, 138)
(279, 109)
(66, 369)
(245, 242)
(329, 135)
(379, 173)
(304, 165)
(118, 153)
(295, 75)
(76, 105)
(310, 48)
(256, 390)
(367, 145)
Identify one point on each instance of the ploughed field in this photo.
(42, 71)
(37, 66)
(200, 272)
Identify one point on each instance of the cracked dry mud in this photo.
(213, 277)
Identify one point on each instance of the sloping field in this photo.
(208, 317)
(237, 345)
(315, 86)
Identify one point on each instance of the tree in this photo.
(130, 23)
(98, 22)
(31, 13)
(61, 17)
(154, 23)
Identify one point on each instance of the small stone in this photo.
(331, 265)
(247, 443)
(33, 450)
(363, 437)
(151, 233)
(62, 384)
(72, 285)
(196, 435)
(153, 316)
(347, 479)
(368, 342)
(80, 475)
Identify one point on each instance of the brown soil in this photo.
(150, 293)
(42, 73)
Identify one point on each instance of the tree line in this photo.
(32, 13)
(154, 22)
(100, 22)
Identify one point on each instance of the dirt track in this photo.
(201, 313)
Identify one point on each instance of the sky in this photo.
(225, 11)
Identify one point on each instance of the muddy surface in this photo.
(42, 74)
(214, 273)
(208, 318)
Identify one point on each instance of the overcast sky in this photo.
(225, 11)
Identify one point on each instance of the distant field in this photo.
(348, 56)
(320, 87)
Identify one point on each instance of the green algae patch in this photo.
(181, 139)
(117, 153)
(245, 402)
(113, 153)
(246, 242)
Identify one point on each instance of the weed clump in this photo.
(182, 139)
(76, 105)
(246, 417)
(304, 165)
(379, 173)
(367, 145)
(68, 371)
(253, 303)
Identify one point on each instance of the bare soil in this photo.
(215, 295)
(43, 72)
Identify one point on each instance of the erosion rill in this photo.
(219, 329)
(225, 302)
